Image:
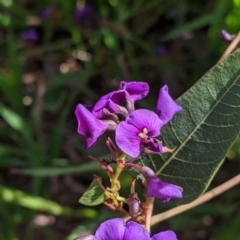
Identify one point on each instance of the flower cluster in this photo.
(135, 134)
(117, 229)
(138, 132)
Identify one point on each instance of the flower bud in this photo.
(148, 172)
(226, 36)
(133, 205)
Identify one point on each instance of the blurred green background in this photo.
(56, 54)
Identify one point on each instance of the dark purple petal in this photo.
(136, 90)
(135, 231)
(85, 16)
(88, 125)
(226, 36)
(112, 229)
(143, 118)
(115, 102)
(153, 145)
(47, 12)
(163, 190)
(161, 50)
(127, 139)
(30, 35)
(166, 106)
(167, 235)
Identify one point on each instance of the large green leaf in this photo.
(203, 131)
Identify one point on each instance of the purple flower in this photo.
(166, 106)
(89, 126)
(117, 229)
(226, 36)
(113, 102)
(121, 101)
(159, 189)
(161, 50)
(139, 129)
(136, 90)
(85, 16)
(47, 12)
(30, 35)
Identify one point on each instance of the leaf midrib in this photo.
(195, 129)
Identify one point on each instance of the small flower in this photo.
(117, 229)
(226, 36)
(166, 106)
(161, 50)
(159, 189)
(30, 35)
(139, 129)
(89, 126)
(47, 12)
(121, 101)
(85, 16)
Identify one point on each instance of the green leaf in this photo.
(15, 121)
(41, 204)
(203, 132)
(57, 171)
(94, 195)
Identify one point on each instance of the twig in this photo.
(204, 198)
(149, 210)
(231, 47)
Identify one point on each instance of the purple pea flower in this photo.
(121, 101)
(89, 126)
(166, 106)
(139, 129)
(47, 12)
(226, 36)
(161, 50)
(85, 16)
(117, 229)
(30, 35)
(142, 126)
(159, 189)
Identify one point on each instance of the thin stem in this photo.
(148, 209)
(116, 176)
(121, 199)
(202, 199)
(139, 168)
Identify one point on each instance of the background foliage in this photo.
(43, 166)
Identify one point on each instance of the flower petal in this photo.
(127, 139)
(89, 126)
(143, 118)
(115, 102)
(137, 90)
(111, 229)
(135, 231)
(166, 106)
(166, 235)
(153, 145)
(163, 190)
